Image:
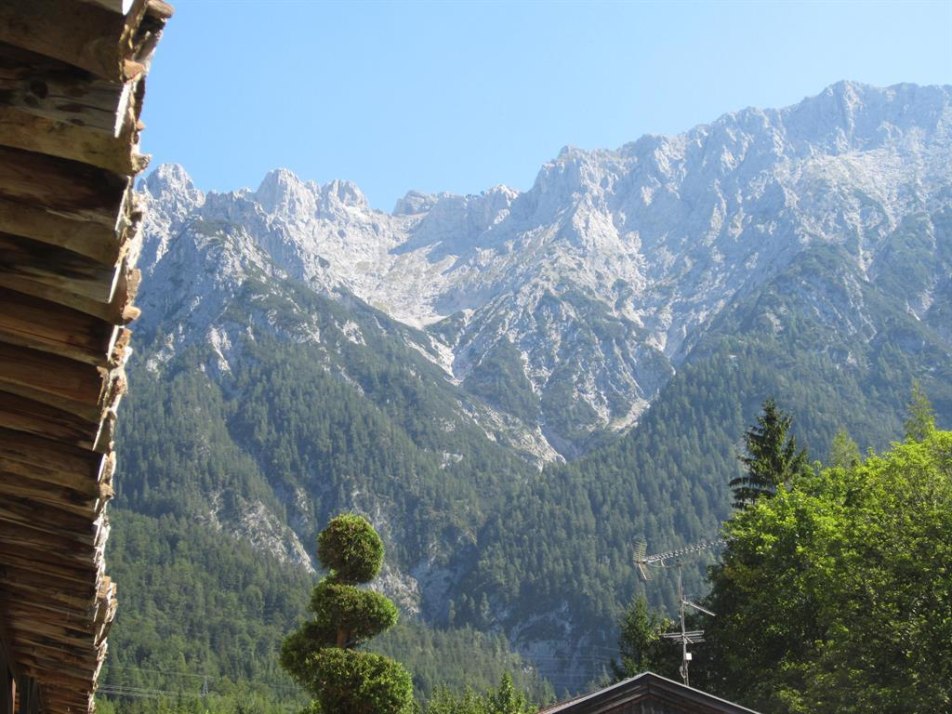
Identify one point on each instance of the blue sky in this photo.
(460, 96)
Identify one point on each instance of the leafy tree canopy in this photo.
(834, 594)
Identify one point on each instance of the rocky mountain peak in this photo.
(343, 194)
(414, 202)
(283, 193)
(599, 280)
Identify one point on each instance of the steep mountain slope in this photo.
(610, 269)
(301, 353)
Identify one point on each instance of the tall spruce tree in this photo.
(321, 655)
(772, 456)
(641, 646)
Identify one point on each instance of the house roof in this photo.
(656, 694)
(72, 82)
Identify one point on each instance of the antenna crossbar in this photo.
(660, 560)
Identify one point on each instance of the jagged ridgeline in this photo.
(513, 387)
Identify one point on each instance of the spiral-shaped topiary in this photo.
(320, 654)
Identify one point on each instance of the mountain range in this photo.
(513, 386)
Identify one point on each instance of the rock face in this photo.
(588, 291)
(482, 338)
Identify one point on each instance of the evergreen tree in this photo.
(503, 700)
(772, 457)
(920, 422)
(640, 643)
(844, 453)
(321, 655)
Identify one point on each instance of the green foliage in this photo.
(502, 700)
(500, 378)
(640, 644)
(361, 613)
(351, 549)
(771, 459)
(844, 453)
(351, 682)
(197, 609)
(455, 659)
(300, 431)
(921, 420)
(320, 654)
(833, 595)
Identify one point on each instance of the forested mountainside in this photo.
(513, 387)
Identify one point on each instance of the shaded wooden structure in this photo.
(648, 693)
(71, 90)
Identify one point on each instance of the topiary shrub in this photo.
(321, 654)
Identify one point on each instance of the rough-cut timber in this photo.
(72, 81)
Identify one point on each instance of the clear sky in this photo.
(459, 96)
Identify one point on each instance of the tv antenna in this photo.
(666, 560)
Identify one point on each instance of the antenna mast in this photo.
(661, 560)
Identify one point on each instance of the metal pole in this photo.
(684, 639)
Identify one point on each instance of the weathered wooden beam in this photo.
(26, 321)
(36, 626)
(114, 46)
(29, 516)
(60, 92)
(62, 186)
(118, 311)
(31, 457)
(81, 389)
(68, 551)
(54, 498)
(25, 130)
(31, 417)
(52, 108)
(95, 238)
(46, 663)
(48, 585)
(54, 610)
(25, 260)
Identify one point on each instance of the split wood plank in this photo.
(54, 498)
(29, 416)
(75, 387)
(34, 458)
(40, 325)
(67, 551)
(62, 93)
(28, 260)
(118, 311)
(63, 186)
(28, 516)
(34, 626)
(25, 130)
(56, 584)
(110, 45)
(95, 237)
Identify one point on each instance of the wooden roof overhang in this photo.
(648, 693)
(71, 90)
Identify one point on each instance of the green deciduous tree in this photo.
(321, 654)
(772, 456)
(640, 644)
(834, 594)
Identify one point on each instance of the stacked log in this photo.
(72, 82)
